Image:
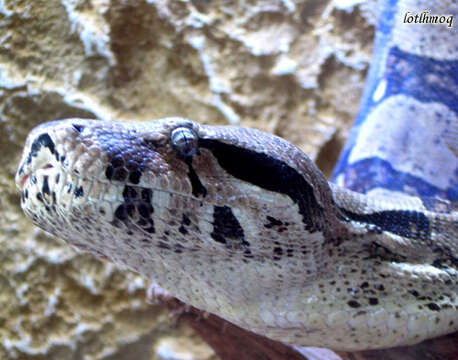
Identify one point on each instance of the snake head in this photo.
(154, 190)
(214, 215)
(78, 168)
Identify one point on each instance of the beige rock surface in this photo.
(295, 68)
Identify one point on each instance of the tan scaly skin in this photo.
(242, 224)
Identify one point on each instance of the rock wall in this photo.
(295, 68)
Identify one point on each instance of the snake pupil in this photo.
(184, 140)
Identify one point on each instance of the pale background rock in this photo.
(295, 68)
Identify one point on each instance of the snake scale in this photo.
(242, 224)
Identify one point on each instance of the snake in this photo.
(241, 223)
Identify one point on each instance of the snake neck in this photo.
(408, 229)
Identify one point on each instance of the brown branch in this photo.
(443, 348)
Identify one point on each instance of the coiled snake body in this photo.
(242, 224)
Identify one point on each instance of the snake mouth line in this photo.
(22, 179)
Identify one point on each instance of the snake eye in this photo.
(184, 140)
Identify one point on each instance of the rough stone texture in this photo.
(295, 68)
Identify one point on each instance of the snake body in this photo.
(405, 137)
(242, 224)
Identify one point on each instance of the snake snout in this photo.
(39, 154)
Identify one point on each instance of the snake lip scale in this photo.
(242, 224)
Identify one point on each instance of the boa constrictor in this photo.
(242, 224)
